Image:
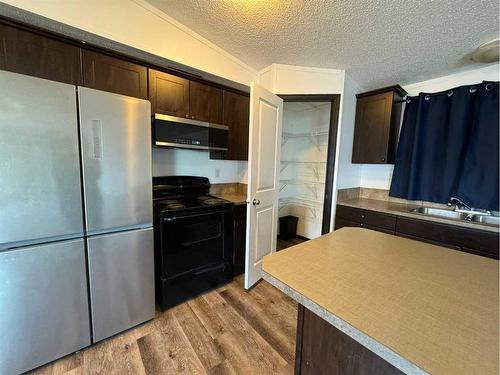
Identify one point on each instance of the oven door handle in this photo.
(203, 240)
(173, 218)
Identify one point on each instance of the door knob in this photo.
(255, 202)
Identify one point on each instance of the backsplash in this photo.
(379, 194)
(228, 188)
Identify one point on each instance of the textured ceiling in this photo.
(379, 42)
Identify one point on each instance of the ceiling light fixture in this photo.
(486, 53)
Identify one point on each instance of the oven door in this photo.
(197, 241)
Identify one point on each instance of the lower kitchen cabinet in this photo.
(323, 349)
(469, 240)
(355, 217)
(240, 230)
(466, 239)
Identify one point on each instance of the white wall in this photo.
(168, 161)
(292, 79)
(138, 24)
(379, 176)
(348, 174)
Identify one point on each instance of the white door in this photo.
(266, 114)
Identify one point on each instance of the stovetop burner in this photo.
(174, 193)
(189, 202)
(207, 200)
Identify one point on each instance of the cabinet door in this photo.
(169, 94)
(103, 72)
(367, 218)
(324, 349)
(464, 239)
(36, 55)
(205, 102)
(372, 128)
(236, 110)
(240, 230)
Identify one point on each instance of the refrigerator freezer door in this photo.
(121, 281)
(44, 304)
(116, 147)
(40, 189)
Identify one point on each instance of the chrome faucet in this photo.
(460, 206)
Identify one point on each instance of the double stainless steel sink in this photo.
(472, 216)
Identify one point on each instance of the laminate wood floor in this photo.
(225, 331)
(283, 244)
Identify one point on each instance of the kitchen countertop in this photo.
(236, 198)
(421, 307)
(403, 209)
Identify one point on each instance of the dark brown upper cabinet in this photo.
(236, 111)
(103, 72)
(205, 102)
(378, 116)
(169, 94)
(39, 56)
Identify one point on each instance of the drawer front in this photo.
(340, 222)
(367, 217)
(469, 240)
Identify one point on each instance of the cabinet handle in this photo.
(362, 216)
(187, 116)
(192, 117)
(383, 159)
(362, 225)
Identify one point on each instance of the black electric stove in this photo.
(193, 238)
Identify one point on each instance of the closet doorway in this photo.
(307, 165)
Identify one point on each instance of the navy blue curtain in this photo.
(449, 146)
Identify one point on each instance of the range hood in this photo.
(179, 132)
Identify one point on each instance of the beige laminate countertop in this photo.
(403, 209)
(423, 308)
(236, 198)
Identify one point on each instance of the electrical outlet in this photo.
(217, 172)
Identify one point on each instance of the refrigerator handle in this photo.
(97, 139)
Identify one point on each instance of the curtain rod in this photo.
(447, 92)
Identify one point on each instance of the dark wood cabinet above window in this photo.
(36, 55)
(378, 117)
(103, 72)
(169, 94)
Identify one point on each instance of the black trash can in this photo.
(288, 226)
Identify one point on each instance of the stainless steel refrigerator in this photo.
(76, 241)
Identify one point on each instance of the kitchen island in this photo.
(374, 303)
